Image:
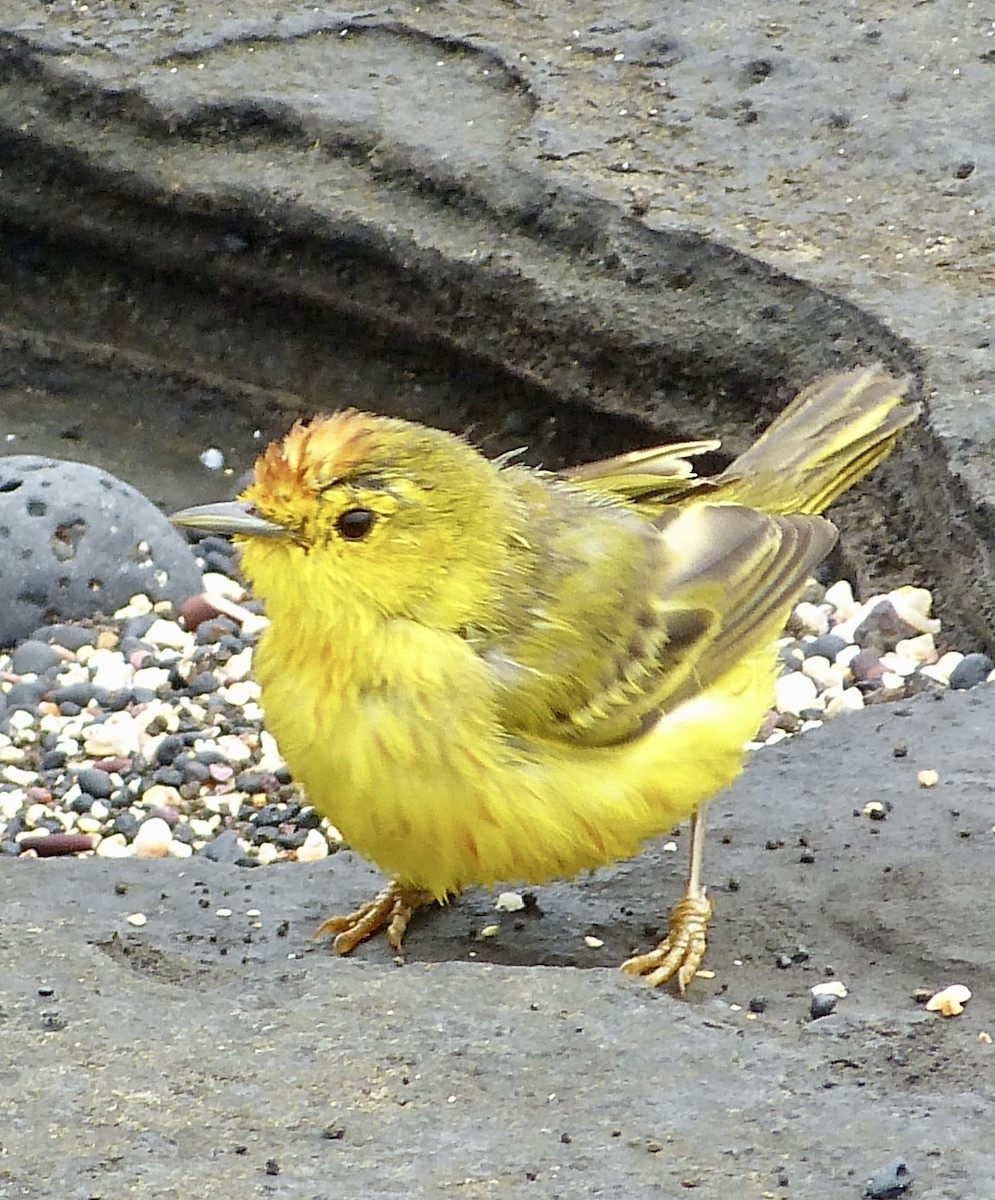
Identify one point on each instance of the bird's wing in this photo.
(659, 471)
(711, 582)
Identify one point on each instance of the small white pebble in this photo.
(254, 623)
(204, 829)
(822, 672)
(793, 692)
(88, 824)
(840, 596)
(950, 1001)
(233, 748)
(315, 847)
(669, 847)
(36, 813)
(849, 700)
(117, 737)
(832, 987)
(509, 902)
(169, 636)
(237, 667)
(267, 853)
(152, 839)
(19, 776)
(921, 649)
(138, 606)
(161, 795)
(151, 678)
(229, 589)
(928, 779)
(594, 943)
(898, 665)
(875, 810)
(110, 670)
(115, 846)
(137, 919)
(490, 931)
(917, 599)
(179, 849)
(892, 682)
(11, 804)
(241, 692)
(222, 912)
(810, 618)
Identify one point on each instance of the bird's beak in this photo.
(229, 517)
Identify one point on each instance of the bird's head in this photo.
(353, 507)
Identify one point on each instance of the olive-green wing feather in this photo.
(832, 433)
(711, 584)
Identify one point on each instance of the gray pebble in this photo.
(970, 671)
(69, 637)
(822, 1005)
(224, 848)
(829, 645)
(76, 541)
(889, 1180)
(26, 695)
(34, 658)
(96, 783)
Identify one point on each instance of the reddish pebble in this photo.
(169, 815)
(113, 765)
(866, 665)
(196, 610)
(768, 725)
(38, 795)
(57, 845)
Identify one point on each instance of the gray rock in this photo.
(970, 671)
(75, 541)
(34, 658)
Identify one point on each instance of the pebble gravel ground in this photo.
(141, 735)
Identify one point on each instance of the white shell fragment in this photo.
(950, 1001)
(509, 902)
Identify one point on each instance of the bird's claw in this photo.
(681, 951)
(391, 908)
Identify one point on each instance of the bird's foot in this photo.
(681, 951)
(391, 908)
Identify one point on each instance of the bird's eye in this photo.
(355, 524)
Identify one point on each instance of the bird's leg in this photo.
(392, 907)
(682, 950)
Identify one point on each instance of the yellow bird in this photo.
(482, 672)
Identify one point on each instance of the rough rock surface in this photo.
(75, 541)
